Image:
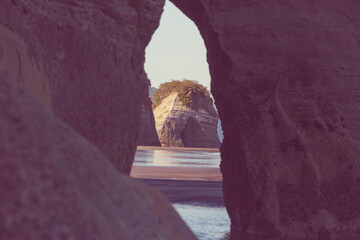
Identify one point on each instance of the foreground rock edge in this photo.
(55, 184)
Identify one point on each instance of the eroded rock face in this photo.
(181, 126)
(147, 132)
(84, 61)
(285, 77)
(54, 184)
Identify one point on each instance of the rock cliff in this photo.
(84, 61)
(285, 78)
(181, 126)
(147, 132)
(54, 184)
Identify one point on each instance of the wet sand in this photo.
(178, 149)
(178, 173)
(189, 191)
(184, 184)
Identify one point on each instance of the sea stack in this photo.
(185, 115)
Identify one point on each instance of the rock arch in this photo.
(285, 77)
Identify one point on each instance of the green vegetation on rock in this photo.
(191, 94)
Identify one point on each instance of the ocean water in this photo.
(206, 222)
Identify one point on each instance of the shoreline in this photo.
(182, 184)
(176, 173)
(205, 193)
(178, 149)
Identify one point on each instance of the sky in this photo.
(176, 50)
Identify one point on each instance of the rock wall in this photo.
(147, 131)
(54, 184)
(181, 126)
(285, 78)
(84, 61)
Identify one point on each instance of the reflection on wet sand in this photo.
(177, 158)
(163, 158)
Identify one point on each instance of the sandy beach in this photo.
(177, 173)
(178, 149)
(182, 183)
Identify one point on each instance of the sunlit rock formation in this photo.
(286, 79)
(84, 61)
(54, 184)
(181, 125)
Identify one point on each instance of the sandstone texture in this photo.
(286, 81)
(147, 132)
(54, 184)
(84, 61)
(181, 126)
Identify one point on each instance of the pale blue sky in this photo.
(176, 50)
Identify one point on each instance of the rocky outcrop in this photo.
(285, 78)
(147, 132)
(56, 185)
(84, 61)
(181, 126)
